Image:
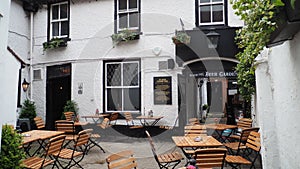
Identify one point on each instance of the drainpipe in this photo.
(31, 54)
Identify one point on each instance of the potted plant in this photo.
(11, 154)
(70, 106)
(55, 43)
(28, 110)
(181, 37)
(204, 112)
(124, 35)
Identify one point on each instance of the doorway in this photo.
(58, 92)
(215, 98)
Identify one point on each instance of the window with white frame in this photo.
(211, 12)
(128, 14)
(122, 86)
(59, 20)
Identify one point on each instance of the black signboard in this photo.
(163, 90)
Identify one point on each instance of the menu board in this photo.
(163, 90)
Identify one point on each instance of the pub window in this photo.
(211, 12)
(59, 20)
(122, 86)
(128, 14)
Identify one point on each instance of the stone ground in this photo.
(113, 141)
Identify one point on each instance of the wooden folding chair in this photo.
(74, 156)
(166, 160)
(69, 115)
(54, 146)
(123, 159)
(253, 143)
(195, 130)
(104, 124)
(210, 157)
(193, 121)
(69, 128)
(237, 146)
(113, 117)
(130, 121)
(39, 122)
(235, 134)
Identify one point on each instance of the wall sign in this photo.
(163, 90)
(214, 74)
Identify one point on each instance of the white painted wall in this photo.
(90, 30)
(8, 103)
(278, 105)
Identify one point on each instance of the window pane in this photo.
(113, 75)
(132, 4)
(133, 20)
(131, 99)
(54, 12)
(64, 28)
(123, 21)
(114, 99)
(63, 11)
(204, 1)
(217, 13)
(204, 14)
(130, 74)
(55, 29)
(217, 0)
(122, 4)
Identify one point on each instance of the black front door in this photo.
(58, 92)
(215, 100)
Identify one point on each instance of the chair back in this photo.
(152, 145)
(113, 117)
(83, 138)
(193, 121)
(210, 157)
(244, 123)
(39, 122)
(66, 126)
(69, 115)
(195, 130)
(105, 123)
(123, 159)
(253, 141)
(246, 132)
(128, 117)
(55, 144)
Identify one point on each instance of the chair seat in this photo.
(235, 145)
(236, 137)
(95, 135)
(237, 160)
(169, 157)
(71, 137)
(36, 162)
(67, 153)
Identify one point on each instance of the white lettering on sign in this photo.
(214, 74)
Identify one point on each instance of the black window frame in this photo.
(49, 36)
(197, 16)
(116, 21)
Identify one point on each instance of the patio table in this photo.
(149, 120)
(39, 136)
(219, 128)
(96, 118)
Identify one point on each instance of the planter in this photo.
(56, 43)
(288, 23)
(125, 35)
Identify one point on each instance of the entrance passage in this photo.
(214, 92)
(58, 92)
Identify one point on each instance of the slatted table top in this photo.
(149, 117)
(186, 141)
(220, 126)
(96, 116)
(34, 135)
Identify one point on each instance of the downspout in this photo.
(31, 54)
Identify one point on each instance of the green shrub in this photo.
(28, 111)
(72, 106)
(11, 154)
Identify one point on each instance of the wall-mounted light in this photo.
(25, 85)
(213, 38)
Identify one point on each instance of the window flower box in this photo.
(181, 38)
(55, 43)
(125, 35)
